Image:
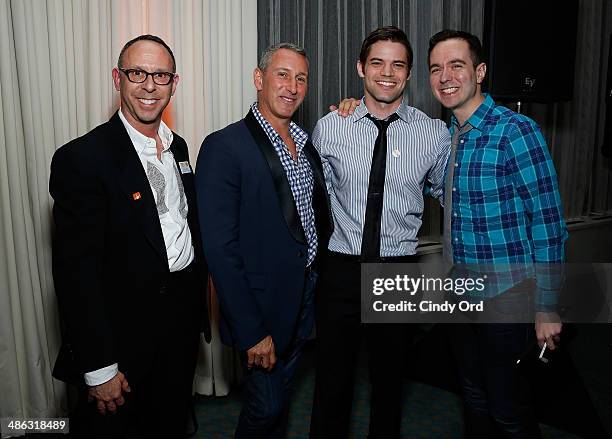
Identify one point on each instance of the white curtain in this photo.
(56, 58)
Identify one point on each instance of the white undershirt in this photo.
(171, 202)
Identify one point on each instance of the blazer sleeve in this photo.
(79, 214)
(218, 188)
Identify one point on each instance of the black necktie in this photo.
(370, 242)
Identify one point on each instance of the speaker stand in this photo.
(519, 106)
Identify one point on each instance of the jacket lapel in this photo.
(283, 190)
(185, 172)
(135, 185)
(315, 163)
(321, 203)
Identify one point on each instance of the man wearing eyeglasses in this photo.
(128, 265)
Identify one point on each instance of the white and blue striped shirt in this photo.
(417, 151)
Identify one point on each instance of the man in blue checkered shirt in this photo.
(502, 206)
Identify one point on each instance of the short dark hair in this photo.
(476, 52)
(146, 37)
(387, 33)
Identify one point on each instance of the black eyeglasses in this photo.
(139, 76)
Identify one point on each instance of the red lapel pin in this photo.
(136, 196)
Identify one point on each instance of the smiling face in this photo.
(282, 86)
(142, 104)
(454, 80)
(385, 74)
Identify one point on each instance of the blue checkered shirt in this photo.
(506, 207)
(299, 174)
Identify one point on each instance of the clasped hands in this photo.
(262, 354)
(109, 396)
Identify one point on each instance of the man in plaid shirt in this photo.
(502, 206)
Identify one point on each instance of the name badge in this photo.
(185, 168)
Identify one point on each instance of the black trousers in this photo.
(496, 393)
(339, 335)
(591, 352)
(157, 406)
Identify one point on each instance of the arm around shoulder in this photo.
(438, 171)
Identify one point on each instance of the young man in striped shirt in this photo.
(376, 162)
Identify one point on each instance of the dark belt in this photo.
(381, 260)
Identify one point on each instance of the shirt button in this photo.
(462, 141)
(454, 189)
(456, 164)
(456, 239)
(454, 213)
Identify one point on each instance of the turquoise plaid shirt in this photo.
(506, 209)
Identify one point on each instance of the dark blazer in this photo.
(253, 237)
(110, 266)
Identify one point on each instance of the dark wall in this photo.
(332, 30)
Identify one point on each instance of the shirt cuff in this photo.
(100, 376)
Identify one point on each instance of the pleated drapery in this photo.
(55, 85)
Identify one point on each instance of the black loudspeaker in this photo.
(530, 49)
(606, 148)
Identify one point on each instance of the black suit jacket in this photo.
(110, 266)
(253, 236)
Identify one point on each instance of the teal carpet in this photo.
(428, 411)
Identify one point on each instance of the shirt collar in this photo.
(141, 142)
(297, 134)
(478, 117)
(403, 111)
